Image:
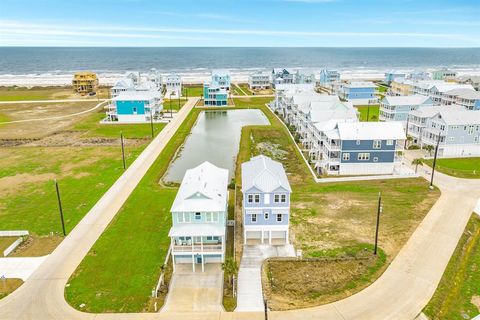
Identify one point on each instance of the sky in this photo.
(241, 23)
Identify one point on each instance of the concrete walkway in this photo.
(19, 267)
(249, 293)
(195, 291)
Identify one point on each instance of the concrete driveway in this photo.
(195, 291)
(19, 267)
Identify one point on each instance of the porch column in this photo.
(201, 244)
(193, 262)
(286, 237)
(173, 262)
(224, 238)
(203, 263)
(261, 232)
(269, 236)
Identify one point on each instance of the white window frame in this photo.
(276, 198)
(256, 198)
(390, 142)
(346, 156)
(250, 198)
(358, 142)
(253, 218)
(375, 159)
(279, 215)
(363, 156)
(266, 216)
(377, 144)
(283, 198)
(197, 214)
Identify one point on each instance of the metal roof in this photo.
(413, 100)
(264, 174)
(371, 131)
(203, 188)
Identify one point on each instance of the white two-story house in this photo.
(266, 201)
(199, 215)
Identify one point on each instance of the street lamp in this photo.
(406, 132)
(435, 159)
(379, 210)
(60, 207)
(170, 102)
(123, 150)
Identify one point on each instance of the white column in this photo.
(201, 243)
(173, 262)
(286, 239)
(203, 263)
(269, 236)
(193, 262)
(261, 232)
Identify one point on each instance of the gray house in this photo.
(266, 201)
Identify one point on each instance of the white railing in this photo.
(14, 233)
(190, 248)
(12, 247)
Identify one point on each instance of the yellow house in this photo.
(85, 82)
(402, 88)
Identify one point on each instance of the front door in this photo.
(199, 259)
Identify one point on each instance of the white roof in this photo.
(371, 130)
(430, 111)
(123, 83)
(465, 117)
(197, 230)
(264, 174)
(326, 110)
(136, 95)
(414, 100)
(464, 93)
(173, 77)
(448, 86)
(203, 188)
(292, 86)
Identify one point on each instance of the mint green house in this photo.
(199, 217)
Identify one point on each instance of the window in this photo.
(250, 198)
(254, 217)
(390, 142)
(452, 138)
(279, 217)
(209, 216)
(346, 156)
(265, 216)
(280, 198)
(364, 156)
(276, 198)
(135, 110)
(257, 198)
(283, 198)
(375, 159)
(358, 142)
(181, 217)
(377, 144)
(198, 216)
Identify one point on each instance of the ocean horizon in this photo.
(55, 65)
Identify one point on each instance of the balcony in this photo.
(197, 248)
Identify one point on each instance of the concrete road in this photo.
(20, 267)
(195, 291)
(400, 293)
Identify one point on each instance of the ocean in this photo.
(21, 64)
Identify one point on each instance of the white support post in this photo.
(269, 236)
(203, 263)
(193, 262)
(286, 237)
(173, 262)
(261, 232)
(201, 244)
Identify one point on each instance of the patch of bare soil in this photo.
(7, 286)
(67, 139)
(476, 302)
(292, 284)
(36, 246)
(12, 184)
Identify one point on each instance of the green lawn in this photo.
(176, 104)
(458, 294)
(372, 111)
(42, 93)
(4, 118)
(29, 200)
(193, 90)
(458, 167)
(245, 88)
(93, 128)
(141, 227)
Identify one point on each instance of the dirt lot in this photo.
(5, 242)
(39, 129)
(7, 286)
(36, 246)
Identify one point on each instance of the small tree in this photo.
(230, 268)
(429, 148)
(416, 163)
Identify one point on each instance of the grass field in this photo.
(143, 222)
(458, 294)
(458, 167)
(193, 90)
(7, 286)
(92, 128)
(372, 112)
(44, 93)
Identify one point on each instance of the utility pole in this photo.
(151, 121)
(123, 151)
(60, 207)
(379, 210)
(368, 112)
(435, 159)
(265, 307)
(170, 100)
(406, 132)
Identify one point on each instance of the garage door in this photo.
(183, 259)
(254, 234)
(213, 259)
(279, 234)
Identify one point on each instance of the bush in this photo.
(413, 147)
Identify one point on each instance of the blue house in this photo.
(397, 108)
(214, 95)
(221, 78)
(266, 201)
(327, 77)
(362, 148)
(135, 106)
(199, 217)
(359, 93)
(394, 76)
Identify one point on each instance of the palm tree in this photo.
(407, 143)
(429, 148)
(417, 162)
(230, 268)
